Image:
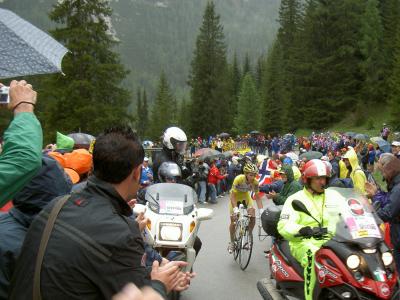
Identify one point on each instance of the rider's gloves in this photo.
(306, 232)
(235, 210)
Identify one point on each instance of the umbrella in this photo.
(350, 134)
(210, 154)
(224, 135)
(201, 151)
(310, 155)
(254, 132)
(377, 139)
(25, 49)
(384, 146)
(82, 139)
(227, 154)
(362, 137)
(293, 156)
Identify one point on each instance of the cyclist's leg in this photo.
(252, 213)
(232, 224)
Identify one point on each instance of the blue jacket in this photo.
(391, 211)
(48, 184)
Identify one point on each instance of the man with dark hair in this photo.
(95, 248)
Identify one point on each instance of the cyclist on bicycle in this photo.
(242, 186)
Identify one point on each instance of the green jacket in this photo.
(290, 187)
(323, 207)
(22, 155)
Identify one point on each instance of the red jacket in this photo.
(214, 175)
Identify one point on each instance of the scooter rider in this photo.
(297, 227)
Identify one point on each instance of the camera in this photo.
(4, 96)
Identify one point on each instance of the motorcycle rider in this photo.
(297, 227)
(174, 147)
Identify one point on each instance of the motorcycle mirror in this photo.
(204, 214)
(300, 207)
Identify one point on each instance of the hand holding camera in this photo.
(20, 96)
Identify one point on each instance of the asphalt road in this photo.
(218, 275)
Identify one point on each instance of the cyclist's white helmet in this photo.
(175, 138)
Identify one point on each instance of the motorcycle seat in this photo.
(283, 246)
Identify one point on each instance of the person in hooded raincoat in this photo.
(355, 172)
(290, 186)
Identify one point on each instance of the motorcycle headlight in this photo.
(171, 232)
(353, 261)
(387, 258)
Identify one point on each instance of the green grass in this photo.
(371, 125)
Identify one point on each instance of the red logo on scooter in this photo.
(356, 207)
(385, 291)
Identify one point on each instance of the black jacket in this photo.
(391, 212)
(48, 184)
(94, 249)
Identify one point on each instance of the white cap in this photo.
(146, 159)
(396, 143)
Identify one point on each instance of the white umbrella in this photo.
(25, 49)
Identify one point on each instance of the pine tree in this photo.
(290, 13)
(211, 107)
(184, 116)
(139, 110)
(330, 77)
(372, 64)
(236, 76)
(247, 65)
(273, 92)
(260, 68)
(390, 18)
(162, 112)
(145, 114)
(394, 88)
(248, 111)
(89, 97)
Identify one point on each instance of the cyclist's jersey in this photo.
(242, 189)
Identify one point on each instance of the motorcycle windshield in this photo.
(357, 221)
(171, 198)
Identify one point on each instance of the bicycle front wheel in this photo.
(237, 240)
(246, 248)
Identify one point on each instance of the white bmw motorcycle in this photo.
(173, 219)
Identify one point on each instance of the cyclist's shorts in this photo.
(247, 202)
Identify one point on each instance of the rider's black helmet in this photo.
(169, 172)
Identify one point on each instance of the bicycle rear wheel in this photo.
(237, 240)
(246, 248)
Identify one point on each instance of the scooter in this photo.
(173, 221)
(354, 263)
